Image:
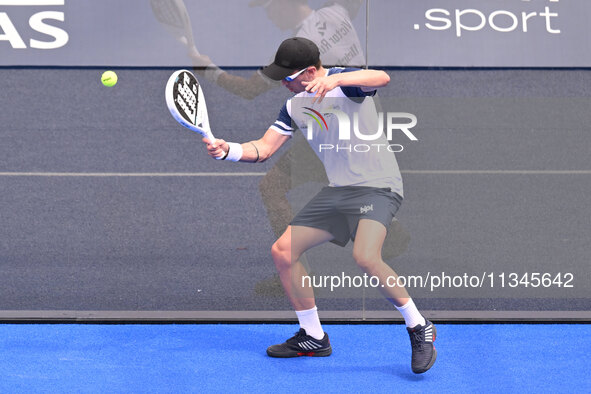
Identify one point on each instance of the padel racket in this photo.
(173, 15)
(186, 103)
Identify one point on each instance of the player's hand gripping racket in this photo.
(174, 17)
(186, 103)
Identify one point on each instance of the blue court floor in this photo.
(231, 358)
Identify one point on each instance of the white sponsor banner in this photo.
(484, 33)
(455, 33)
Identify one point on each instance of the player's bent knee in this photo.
(366, 260)
(281, 253)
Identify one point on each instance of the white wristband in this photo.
(213, 72)
(234, 152)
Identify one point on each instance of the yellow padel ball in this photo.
(109, 78)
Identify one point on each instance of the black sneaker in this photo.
(423, 351)
(301, 344)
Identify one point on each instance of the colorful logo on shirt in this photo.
(317, 117)
(355, 130)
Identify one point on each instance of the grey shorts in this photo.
(338, 210)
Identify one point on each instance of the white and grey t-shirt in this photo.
(344, 131)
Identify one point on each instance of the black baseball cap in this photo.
(294, 53)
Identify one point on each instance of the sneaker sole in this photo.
(321, 353)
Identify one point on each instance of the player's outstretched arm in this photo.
(367, 80)
(247, 88)
(251, 152)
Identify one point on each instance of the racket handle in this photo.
(211, 139)
(207, 134)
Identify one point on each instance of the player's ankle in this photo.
(411, 314)
(310, 322)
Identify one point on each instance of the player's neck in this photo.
(321, 72)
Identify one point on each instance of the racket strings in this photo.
(167, 13)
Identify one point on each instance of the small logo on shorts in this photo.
(366, 209)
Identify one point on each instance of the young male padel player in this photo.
(363, 195)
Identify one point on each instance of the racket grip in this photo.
(209, 136)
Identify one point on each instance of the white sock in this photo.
(310, 322)
(411, 314)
